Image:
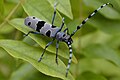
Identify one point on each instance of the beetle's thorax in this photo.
(61, 36)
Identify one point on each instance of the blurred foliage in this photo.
(96, 46)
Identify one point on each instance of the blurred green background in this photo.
(96, 45)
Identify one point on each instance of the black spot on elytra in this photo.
(48, 33)
(29, 23)
(40, 24)
(53, 26)
(64, 35)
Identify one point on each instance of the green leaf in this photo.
(1, 10)
(31, 54)
(98, 66)
(94, 37)
(63, 6)
(114, 42)
(102, 51)
(28, 72)
(73, 24)
(2, 53)
(1, 7)
(6, 29)
(13, 1)
(90, 76)
(19, 24)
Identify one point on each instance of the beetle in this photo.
(55, 32)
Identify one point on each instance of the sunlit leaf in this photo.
(30, 54)
(27, 71)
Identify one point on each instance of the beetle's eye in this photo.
(64, 35)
